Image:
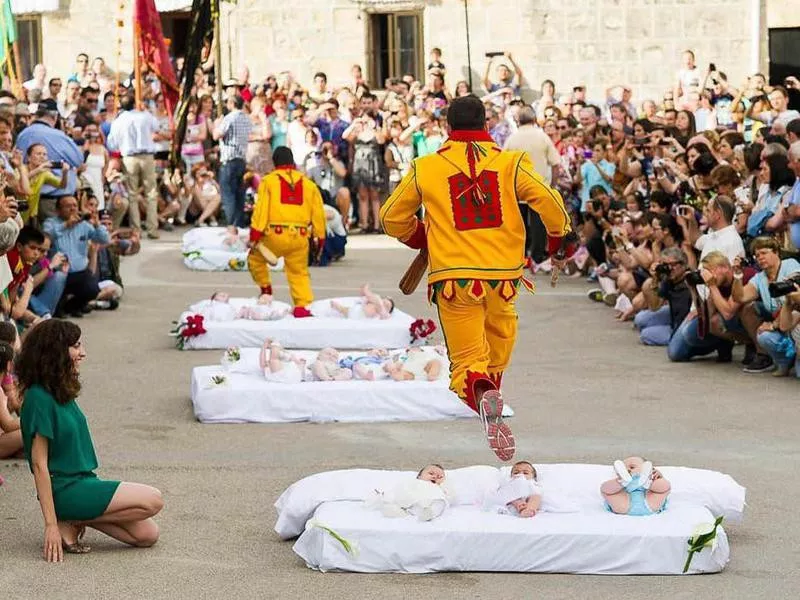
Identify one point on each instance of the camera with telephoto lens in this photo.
(694, 278)
(781, 288)
(663, 270)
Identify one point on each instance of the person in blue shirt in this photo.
(60, 148)
(793, 204)
(595, 171)
(71, 235)
(771, 341)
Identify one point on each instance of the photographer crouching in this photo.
(714, 326)
(658, 323)
(789, 323)
(766, 291)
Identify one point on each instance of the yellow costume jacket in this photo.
(287, 199)
(473, 228)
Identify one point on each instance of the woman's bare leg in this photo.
(375, 205)
(363, 207)
(210, 209)
(343, 204)
(141, 534)
(10, 443)
(131, 502)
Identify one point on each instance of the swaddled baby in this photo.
(218, 308)
(638, 490)
(426, 497)
(415, 364)
(263, 310)
(280, 366)
(521, 495)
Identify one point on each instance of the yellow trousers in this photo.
(293, 247)
(479, 324)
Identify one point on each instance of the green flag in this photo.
(8, 30)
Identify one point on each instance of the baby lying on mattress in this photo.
(425, 497)
(639, 489)
(219, 308)
(369, 306)
(521, 495)
(415, 363)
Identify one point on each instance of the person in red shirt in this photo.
(21, 258)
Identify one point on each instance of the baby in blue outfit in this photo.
(639, 490)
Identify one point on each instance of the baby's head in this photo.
(523, 469)
(433, 473)
(265, 299)
(414, 350)
(220, 297)
(388, 304)
(634, 464)
(378, 353)
(328, 355)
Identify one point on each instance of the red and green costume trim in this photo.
(508, 289)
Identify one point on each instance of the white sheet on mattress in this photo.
(238, 303)
(580, 483)
(203, 250)
(311, 332)
(465, 539)
(247, 398)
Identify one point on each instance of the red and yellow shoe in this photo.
(498, 434)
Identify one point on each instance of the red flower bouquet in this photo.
(192, 327)
(421, 329)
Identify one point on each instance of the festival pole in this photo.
(137, 67)
(118, 68)
(469, 58)
(217, 54)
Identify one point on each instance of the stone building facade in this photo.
(593, 42)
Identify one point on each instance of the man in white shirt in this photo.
(38, 81)
(722, 235)
(133, 135)
(542, 152)
(780, 113)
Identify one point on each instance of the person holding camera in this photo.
(788, 321)
(329, 174)
(715, 325)
(505, 78)
(658, 323)
(778, 108)
(71, 235)
(761, 290)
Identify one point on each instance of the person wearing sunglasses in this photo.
(87, 107)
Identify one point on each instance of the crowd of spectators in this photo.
(688, 205)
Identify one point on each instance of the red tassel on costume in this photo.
(418, 239)
(255, 235)
(267, 289)
(473, 380)
(497, 378)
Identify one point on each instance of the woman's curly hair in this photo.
(44, 359)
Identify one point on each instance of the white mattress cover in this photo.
(247, 398)
(593, 541)
(309, 333)
(578, 483)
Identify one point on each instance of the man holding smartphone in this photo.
(505, 78)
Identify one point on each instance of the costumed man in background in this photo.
(287, 217)
(475, 238)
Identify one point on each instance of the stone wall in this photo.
(593, 42)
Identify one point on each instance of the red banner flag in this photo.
(153, 50)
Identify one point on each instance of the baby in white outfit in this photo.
(218, 308)
(280, 366)
(416, 365)
(369, 306)
(263, 310)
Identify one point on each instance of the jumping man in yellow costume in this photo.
(475, 239)
(288, 212)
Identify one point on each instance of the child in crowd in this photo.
(280, 366)
(119, 196)
(10, 434)
(369, 306)
(398, 155)
(638, 490)
(39, 175)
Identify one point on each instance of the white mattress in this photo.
(585, 538)
(309, 333)
(203, 250)
(246, 397)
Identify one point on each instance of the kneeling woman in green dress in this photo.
(61, 455)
